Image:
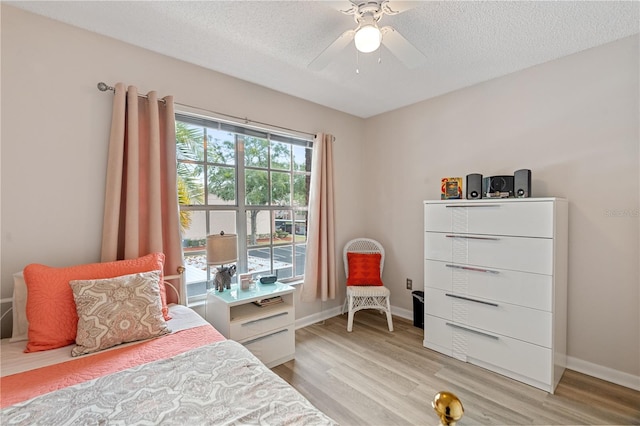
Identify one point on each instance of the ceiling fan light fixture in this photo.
(368, 38)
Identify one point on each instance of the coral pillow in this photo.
(51, 310)
(117, 310)
(364, 269)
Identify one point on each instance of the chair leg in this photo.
(350, 317)
(389, 320)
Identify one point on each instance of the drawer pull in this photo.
(257, 339)
(264, 319)
(472, 330)
(469, 268)
(471, 237)
(455, 296)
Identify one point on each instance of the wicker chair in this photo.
(365, 297)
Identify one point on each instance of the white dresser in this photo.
(496, 285)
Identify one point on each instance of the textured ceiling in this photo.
(272, 42)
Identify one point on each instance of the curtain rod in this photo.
(103, 87)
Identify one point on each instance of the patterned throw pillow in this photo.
(117, 310)
(364, 269)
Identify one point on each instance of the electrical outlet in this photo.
(409, 283)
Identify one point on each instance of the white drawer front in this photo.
(506, 354)
(529, 325)
(519, 288)
(250, 327)
(532, 219)
(274, 346)
(502, 252)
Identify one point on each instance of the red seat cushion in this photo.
(364, 269)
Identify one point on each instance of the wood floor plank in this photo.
(375, 377)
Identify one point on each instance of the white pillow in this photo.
(20, 323)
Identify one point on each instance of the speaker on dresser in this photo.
(522, 183)
(474, 186)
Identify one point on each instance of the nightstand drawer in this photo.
(269, 318)
(273, 348)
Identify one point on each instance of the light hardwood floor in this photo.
(374, 377)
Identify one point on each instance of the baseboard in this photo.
(318, 317)
(604, 373)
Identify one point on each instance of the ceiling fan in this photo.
(368, 35)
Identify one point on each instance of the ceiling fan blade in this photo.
(401, 48)
(394, 7)
(323, 59)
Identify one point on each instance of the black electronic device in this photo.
(497, 187)
(268, 279)
(522, 183)
(474, 186)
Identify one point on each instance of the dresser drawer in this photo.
(271, 318)
(515, 287)
(529, 219)
(529, 325)
(508, 356)
(273, 348)
(502, 252)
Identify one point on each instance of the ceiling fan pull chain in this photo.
(357, 62)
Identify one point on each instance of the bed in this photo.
(188, 374)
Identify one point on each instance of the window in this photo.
(243, 181)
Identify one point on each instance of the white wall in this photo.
(574, 123)
(55, 127)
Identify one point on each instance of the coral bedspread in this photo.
(22, 386)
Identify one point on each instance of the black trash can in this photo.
(418, 308)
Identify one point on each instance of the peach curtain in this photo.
(141, 213)
(320, 275)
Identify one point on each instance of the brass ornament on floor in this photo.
(448, 407)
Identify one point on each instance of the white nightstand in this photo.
(267, 331)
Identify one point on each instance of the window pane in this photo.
(280, 156)
(258, 227)
(189, 142)
(194, 237)
(301, 255)
(221, 148)
(222, 221)
(283, 223)
(222, 185)
(301, 189)
(301, 159)
(190, 184)
(282, 261)
(280, 189)
(260, 261)
(256, 152)
(256, 188)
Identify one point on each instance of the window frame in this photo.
(241, 207)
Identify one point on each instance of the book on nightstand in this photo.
(269, 301)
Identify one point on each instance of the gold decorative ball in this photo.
(448, 407)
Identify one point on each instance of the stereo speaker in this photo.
(522, 183)
(474, 186)
(497, 187)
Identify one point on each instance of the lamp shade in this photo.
(222, 248)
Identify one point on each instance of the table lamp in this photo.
(222, 249)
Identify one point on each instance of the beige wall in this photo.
(573, 121)
(55, 127)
